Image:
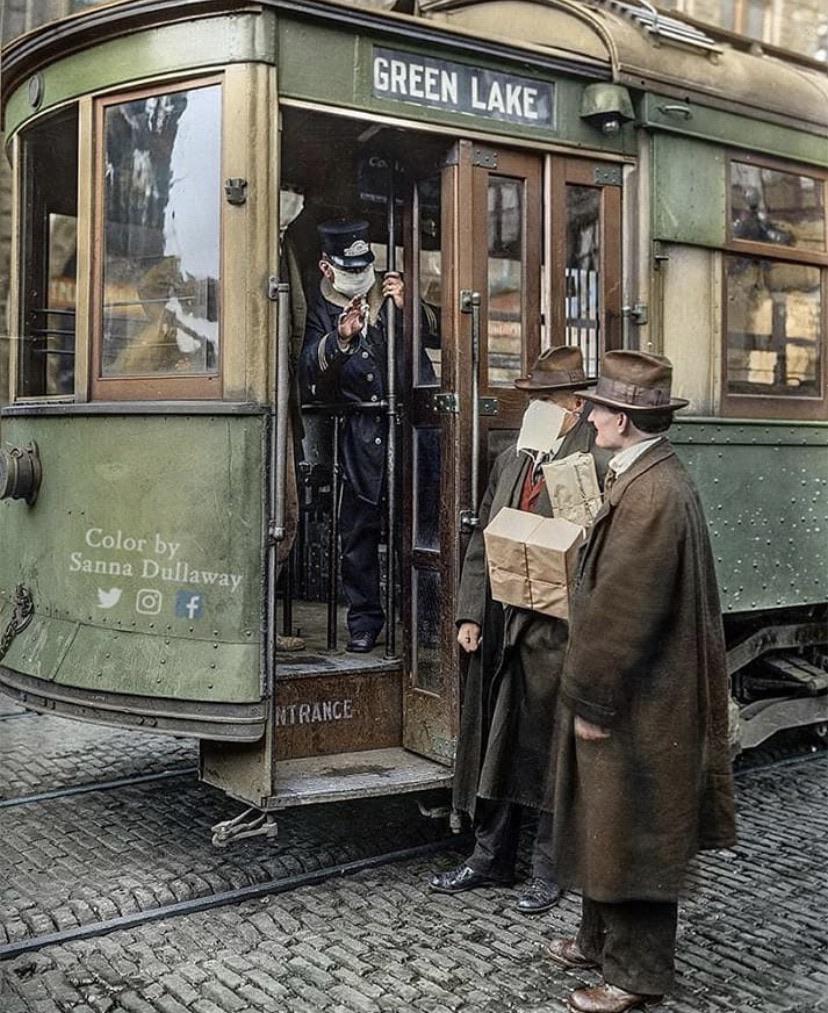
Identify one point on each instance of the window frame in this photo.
(775, 406)
(149, 386)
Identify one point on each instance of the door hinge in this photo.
(607, 175)
(446, 404)
(488, 405)
(235, 190)
(484, 158)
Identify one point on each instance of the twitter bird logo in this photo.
(109, 599)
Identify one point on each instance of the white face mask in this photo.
(351, 283)
(541, 426)
(290, 207)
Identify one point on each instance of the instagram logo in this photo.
(148, 601)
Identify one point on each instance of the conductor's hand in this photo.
(351, 320)
(393, 287)
(468, 637)
(589, 733)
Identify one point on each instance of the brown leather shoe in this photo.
(566, 953)
(607, 998)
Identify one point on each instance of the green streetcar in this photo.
(543, 172)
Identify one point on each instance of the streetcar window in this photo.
(506, 269)
(775, 271)
(774, 311)
(583, 279)
(161, 234)
(771, 206)
(50, 205)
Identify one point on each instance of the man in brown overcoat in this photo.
(643, 779)
(516, 655)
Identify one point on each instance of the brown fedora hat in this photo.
(559, 368)
(635, 381)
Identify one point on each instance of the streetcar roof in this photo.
(631, 43)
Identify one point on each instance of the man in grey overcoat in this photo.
(516, 654)
(642, 777)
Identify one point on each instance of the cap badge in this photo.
(357, 249)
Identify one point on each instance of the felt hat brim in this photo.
(527, 383)
(675, 403)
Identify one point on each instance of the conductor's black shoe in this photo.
(539, 895)
(361, 643)
(460, 879)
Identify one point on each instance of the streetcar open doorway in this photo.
(336, 578)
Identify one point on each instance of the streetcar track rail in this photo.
(226, 897)
(8, 715)
(85, 789)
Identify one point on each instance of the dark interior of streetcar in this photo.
(344, 168)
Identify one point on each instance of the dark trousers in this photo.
(496, 838)
(360, 526)
(633, 942)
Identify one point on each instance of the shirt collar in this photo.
(627, 457)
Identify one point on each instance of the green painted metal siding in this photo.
(764, 487)
(729, 128)
(689, 191)
(186, 623)
(198, 45)
(347, 82)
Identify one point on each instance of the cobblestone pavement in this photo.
(39, 752)
(753, 935)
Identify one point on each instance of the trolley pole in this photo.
(391, 439)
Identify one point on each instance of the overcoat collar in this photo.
(655, 454)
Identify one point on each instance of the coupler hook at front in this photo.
(244, 825)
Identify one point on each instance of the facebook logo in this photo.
(189, 605)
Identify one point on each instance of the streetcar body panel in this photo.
(590, 174)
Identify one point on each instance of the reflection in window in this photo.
(50, 207)
(774, 311)
(583, 280)
(426, 641)
(506, 231)
(427, 489)
(769, 206)
(161, 234)
(427, 195)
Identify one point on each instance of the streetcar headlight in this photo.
(607, 107)
(20, 473)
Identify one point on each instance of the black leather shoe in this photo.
(539, 895)
(460, 879)
(361, 643)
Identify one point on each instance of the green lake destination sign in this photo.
(460, 88)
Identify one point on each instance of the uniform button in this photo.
(364, 355)
(378, 440)
(369, 377)
(374, 397)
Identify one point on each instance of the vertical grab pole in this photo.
(277, 473)
(391, 438)
(333, 548)
(470, 303)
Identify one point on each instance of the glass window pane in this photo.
(506, 255)
(427, 357)
(583, 280)
(769, 206)
(161, 234)
(50, 194)
(427, 489)
(773, 328)
(426, 642)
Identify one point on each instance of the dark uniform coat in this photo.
(646, 660)
(509, 699)
(327, 373)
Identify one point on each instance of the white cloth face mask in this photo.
(541, 426)
(351, 283)
(290, 207)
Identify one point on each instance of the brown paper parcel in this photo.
(572, 484)
(532, 560)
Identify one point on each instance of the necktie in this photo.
(609, 482)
